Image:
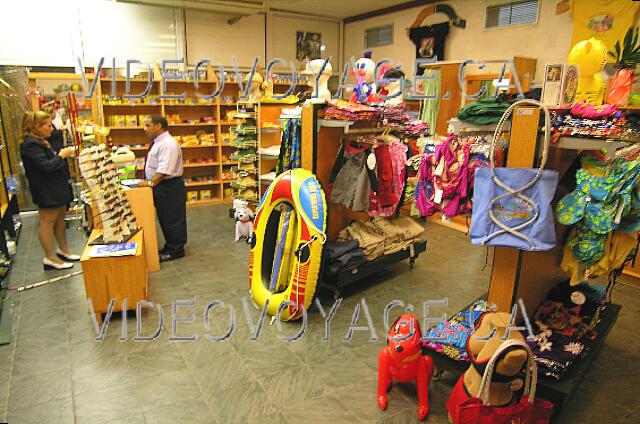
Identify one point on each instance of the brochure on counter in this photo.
(111, 250)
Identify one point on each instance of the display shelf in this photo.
(188, 111)
(336, 283)
(463, 127)
(202, 183)
(230, 162)
(141, 105)
(189, 105)
(558, 392)
(266, 156)
(584, 143)
(200, 165)
(199, 124)
(334, 123)
(458, 223)
(205, 202)
(144, 149)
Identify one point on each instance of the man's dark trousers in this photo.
(170, 199)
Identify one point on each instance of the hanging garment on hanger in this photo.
(445, 177)
(289, 157)
(353, 183)
(431, 107)
(398, 155)
(384, 171)
(618, 247)
(429, 40)
(598, 205)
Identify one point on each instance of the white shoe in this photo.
(49, 265)
(66, 257)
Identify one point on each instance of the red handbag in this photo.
(528, 411)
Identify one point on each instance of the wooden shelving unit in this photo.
(190, 110)
(269, 113)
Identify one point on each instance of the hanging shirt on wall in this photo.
(606, 20)
(429, 40)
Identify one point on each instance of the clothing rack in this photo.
(321, 142)
(529, 276)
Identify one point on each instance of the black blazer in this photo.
(47, 173)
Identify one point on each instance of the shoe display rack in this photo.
(107, 198)
(245, 137)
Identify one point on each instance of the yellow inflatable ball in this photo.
(590, 56)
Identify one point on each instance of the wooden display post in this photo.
(141, 201)
(119, 278)
(529, 276)
(518, 274)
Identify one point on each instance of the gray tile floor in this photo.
(55, 371)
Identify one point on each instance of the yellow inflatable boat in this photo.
(286, 249)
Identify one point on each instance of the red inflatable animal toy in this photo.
(401, 360)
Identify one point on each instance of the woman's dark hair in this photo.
(159, 119)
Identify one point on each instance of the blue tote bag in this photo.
(512, 206)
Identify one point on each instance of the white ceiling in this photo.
(336, 8)
(331, 8)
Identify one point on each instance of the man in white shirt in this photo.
(163, 173)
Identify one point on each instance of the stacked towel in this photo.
(342, 255)
(369, 240)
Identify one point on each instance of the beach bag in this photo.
(529, 410)
(512, 206)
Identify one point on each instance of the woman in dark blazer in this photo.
(48, 177)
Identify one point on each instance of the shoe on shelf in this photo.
(171, 256)
(65, 257)
(49, 265)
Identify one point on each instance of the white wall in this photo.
(129, 31)
(547, 41)
(28, 36)
(46, 33)
(209, 36)
(284, 28)
(61, 31)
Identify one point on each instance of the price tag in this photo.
(437, 198)
(578, 298)
(371, 161)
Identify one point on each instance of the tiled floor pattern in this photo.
(55, 371)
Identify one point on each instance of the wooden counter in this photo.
(141, 201)
(121, 277)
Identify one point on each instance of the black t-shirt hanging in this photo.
(429, 40)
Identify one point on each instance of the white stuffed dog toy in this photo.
(244, 226)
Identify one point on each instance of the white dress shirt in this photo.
(165, 157)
